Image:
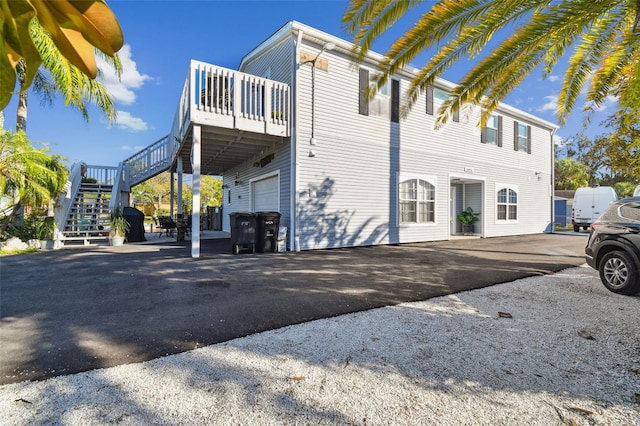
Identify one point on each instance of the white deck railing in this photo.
(216, 96)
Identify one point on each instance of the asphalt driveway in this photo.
(73, 310)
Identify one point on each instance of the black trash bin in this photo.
(243, 232)
(268, 225)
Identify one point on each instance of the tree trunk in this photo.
(21, 119)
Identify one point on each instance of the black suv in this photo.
(613, 247)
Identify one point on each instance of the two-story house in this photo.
(344, 170)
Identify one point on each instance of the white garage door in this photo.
(265, 195)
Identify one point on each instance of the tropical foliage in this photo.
(28, 176)
(76, 28)
(157, 189)
(605, 35)
(119, 224)
(570, 174)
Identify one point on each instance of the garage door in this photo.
(265, 194)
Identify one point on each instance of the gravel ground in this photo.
(550, 350)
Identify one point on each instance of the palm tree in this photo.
(28, 176)
(57, 75)
(605, 35)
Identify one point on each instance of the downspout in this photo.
(295, 238)
(553, 182)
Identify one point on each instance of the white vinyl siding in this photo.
(349, 191)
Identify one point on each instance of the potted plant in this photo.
(45, 230)
(119, 227)
(467, 218)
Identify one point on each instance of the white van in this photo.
(636, 193)
(589, 204)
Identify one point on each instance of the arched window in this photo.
(417, 201)
(507, 204)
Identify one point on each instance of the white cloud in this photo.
(558, 140)
(126, 121)
(121, 90)
(553, 78)
(550, 105)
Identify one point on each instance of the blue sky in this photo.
(162, 36)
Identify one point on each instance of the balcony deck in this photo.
(240, 116)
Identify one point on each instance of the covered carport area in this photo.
(224, 118)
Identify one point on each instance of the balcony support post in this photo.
(196, 161)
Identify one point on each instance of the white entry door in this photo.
(265, 194)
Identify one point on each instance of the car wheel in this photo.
(236, 249)
(619, 274)
(576, 228)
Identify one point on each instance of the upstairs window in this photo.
(522, 137)
(417, 199)
(386, 102)
(435, 99)
(507, 204)
(492, 131)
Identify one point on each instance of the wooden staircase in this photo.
(88, 219)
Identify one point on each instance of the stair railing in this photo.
(65, 199)
(121, 187)
(152, 160)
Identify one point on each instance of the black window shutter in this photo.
(395, 101)
(430, 100)
(456, 116)
(364, 86)
(515, 135)
(483, 134)
(528, 139)
(499, 142)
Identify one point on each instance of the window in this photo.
(507, 204)
(522, 137)
(492, 131)
(386, 102)
(435, 99)
(417, 201)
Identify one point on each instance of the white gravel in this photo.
(570, 354)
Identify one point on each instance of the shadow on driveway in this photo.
(73, 310)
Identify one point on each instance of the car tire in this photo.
(618, 273)
(576, 228)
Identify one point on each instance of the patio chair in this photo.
(166, 225)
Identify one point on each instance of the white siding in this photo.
(349, 189)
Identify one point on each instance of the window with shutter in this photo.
(492, 131)
(435, 99)
(522, 137)
(386, 102)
